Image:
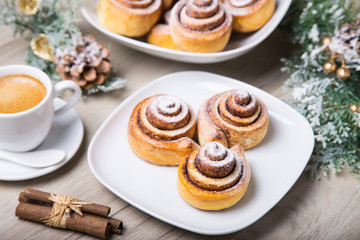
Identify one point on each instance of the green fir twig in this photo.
(324, 99)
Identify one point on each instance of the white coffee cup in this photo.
(24, 131)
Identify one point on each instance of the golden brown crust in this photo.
(231, 130)
(128, 17)
(200, 26)
(162, 147)
(167, 4)
(197, 194)
(160, 36)
(250, 16)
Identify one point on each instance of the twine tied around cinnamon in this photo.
(61, 207)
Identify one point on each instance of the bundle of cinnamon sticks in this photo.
(36, 206)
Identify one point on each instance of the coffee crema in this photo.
(20, 92)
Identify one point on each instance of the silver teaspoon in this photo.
(35, 159)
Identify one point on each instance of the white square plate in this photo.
(276, 163)
(239, 44)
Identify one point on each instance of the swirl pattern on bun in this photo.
(161, 129)
(200, 25)
(233, 117)
(214, 177)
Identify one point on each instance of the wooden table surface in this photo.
(313, 209)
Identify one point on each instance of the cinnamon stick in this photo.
(40, 196)
(34, 196)
(94, 225)
(116, 225)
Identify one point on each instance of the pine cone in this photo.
(346, 42)
(87, 65)
(347, 33)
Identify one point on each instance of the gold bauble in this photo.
(29, 7)
(343, 73)
(353, 108)
(326, 40)
(329, 67)
(41, 47)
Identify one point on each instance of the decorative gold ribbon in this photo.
(61, 207)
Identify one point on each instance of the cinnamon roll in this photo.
(214, 177)
(132, 18)
(250, 15)
(233, 117)
(161, 129)
(200, 25)
(160, 36)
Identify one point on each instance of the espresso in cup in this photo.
(27, 106)
(20, 92)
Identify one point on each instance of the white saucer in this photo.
(66, 133)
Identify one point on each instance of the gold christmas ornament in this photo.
(29, 7)
(41, 47)
(344, 46)
(326, 40)
(343, 73)
(353, 108)
(329, 67)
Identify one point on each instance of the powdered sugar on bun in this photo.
(215, 167)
